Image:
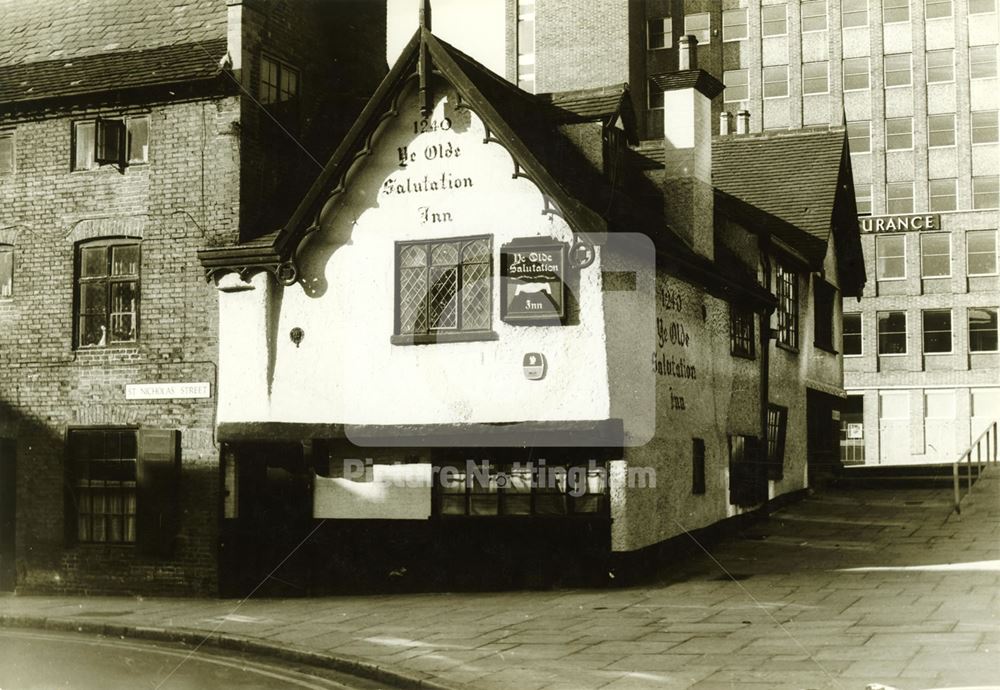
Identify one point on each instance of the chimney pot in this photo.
(725, 123)
(688, 53)
(743, 122)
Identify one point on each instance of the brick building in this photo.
(915, 82)
(132, 134)
(513, 346)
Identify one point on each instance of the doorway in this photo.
(8, 494)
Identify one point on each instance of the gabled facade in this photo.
(132, 134)
(498, 343)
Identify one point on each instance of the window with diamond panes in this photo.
(444, 286)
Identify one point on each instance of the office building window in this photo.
(859, 136)
(102, 473)
(660, 33)
(984, 127)
(444, 286)
(940, 130)
(937, 9)
(981, 252)
(982, 6)
(824, 299)
(937, 331)
(6, 153)
(6, 270)
(942, 194)
(852, 335)
(857, 74)
(741, 331)
(982, 62)
(897, 70)
(734, 25)
(654, 96)
(788, 307)
(891, 332)
(854, 13)
(941, 66)
(776, 81)
(983, 329)
(899, 197)
(737, 87)
(526, 45)
(700, 25)
(813, 14)
(890, 257)
(774, 20)
(935, 255)
(899, 133)
(895, 11)
(697, 466)
(863, 198)
(815, 77)
(985, 192)
(107, 295)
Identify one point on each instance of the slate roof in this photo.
(117, 71)
(47, 30)
(792, 175)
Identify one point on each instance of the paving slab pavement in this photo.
(841, 590)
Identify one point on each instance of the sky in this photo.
(475, 27)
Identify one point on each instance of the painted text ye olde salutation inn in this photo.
(503, 342)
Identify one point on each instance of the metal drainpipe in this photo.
(765, 351)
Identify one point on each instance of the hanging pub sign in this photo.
(531, 271)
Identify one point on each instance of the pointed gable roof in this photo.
(792, 175)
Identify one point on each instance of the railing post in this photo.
(979, 458)
(968, 471)
(994, 441)
(954, 481)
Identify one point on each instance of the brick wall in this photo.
(184, 197)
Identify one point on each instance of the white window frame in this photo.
(982, 178)
(879, 239)
(667, 25)
(909, 69)
(707, 31)
(928, 237)
(931, 196)
(931, 131)
(927, 65)
(889, 135)
(968, 324)
(905, 332)
(745, 86)
(7, 139)
(726, 38)
(994, 127)
(91, 152)
(929, 3)
(764, 22)
(807, 79)
(765, 82)
(866, 71)
(888, 200)
(861, 334)
(982, 49)
(868, 136)
(803, 17)
(923, 331)
(973, 10)
(900, 4)
(858, 198)
(968, 253)
(844, 13)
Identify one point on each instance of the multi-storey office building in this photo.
(132, 134)
(915, 82)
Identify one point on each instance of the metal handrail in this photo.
(966, 456)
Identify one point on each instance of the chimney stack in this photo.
(688, 194)
(725, 124)
(743, 122)
(688, 53)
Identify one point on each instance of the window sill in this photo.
(787, 347)
(444, 337)
(826, 347)
(743, 355)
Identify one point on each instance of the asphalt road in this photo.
(32, 660)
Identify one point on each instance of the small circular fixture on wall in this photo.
(297, 334)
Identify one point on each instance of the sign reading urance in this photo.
(532, 273)
(911, 222)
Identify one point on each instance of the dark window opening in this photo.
(697, 466)
(777, 422)
(741, 332)
(747, 474)
(107, 293)
(102, 469)
(825, 297)
(788, 308)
